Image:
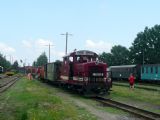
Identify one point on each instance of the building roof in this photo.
(151, 65)
(122, 66)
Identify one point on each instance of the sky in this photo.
(27, 26)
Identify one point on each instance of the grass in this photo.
(98, 105)
(152, 86)
(31, 100)
(137, 96)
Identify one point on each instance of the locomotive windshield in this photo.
(85, 56)
(81, 56)
(83, 59)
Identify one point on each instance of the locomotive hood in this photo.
(94, 67)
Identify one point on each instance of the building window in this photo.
(146, 69)
(156, 69)
(151, 69)
(142, 69)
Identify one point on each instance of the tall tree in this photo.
(34, 63)
(4, 63)
(42, 59)
(15, 65)
(119, 56)
(146, 46)
(107, 58)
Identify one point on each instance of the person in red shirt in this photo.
(131, 81)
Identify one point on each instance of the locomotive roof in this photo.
(122, 66)
(82, 53)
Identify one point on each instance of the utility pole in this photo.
(24, 63)
(66, 34)
(10, 59)
(49, 51)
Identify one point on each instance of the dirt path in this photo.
(102, 115)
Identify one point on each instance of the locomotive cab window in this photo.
(71, 59)
(65, 60)
(83, 59)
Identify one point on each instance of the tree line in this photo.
(145, 49)
(6, 64)
(41, 60)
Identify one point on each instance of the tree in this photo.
(34, 63)
(119, 56)
(4, 63)
(146, 46)
(41, 60)
(107, 58)
(15, 65)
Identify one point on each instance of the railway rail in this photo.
(131, 109)
(9, 81)
(3, 76)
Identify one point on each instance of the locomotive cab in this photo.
(83, 71)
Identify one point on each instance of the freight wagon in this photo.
(51, 71)
(35, 71)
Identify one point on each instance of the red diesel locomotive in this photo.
(79, 70)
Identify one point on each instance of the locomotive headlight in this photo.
(109, 80)
(85, 78)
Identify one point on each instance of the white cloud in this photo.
(33, 48)
(41, 45)
(99, 46)
(38, 43)
(58, 54)
(42, 42)
(6, 49)
(26, 43)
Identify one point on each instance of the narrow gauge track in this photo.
(3, 76)
(139, 87)
(9, 81)
(131, 109)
